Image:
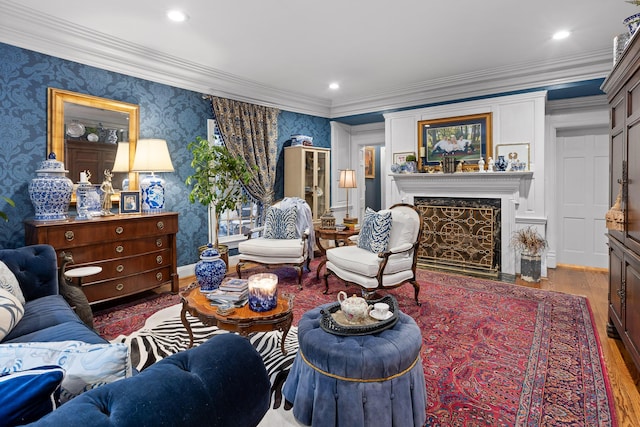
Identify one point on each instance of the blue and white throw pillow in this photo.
(87, 366)
(11, 311)
(28, 395)
(375, 231)
(9, 282)
(281, 223)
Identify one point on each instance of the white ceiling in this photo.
(384, 54)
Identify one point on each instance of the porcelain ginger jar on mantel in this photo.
(50, 192)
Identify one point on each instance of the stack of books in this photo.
(231, 291)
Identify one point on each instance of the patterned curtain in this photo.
(251, 131)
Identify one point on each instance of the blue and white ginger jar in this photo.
(50, 191)
(210, 270)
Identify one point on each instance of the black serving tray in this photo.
(329, 324)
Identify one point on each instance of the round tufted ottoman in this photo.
(369, 380)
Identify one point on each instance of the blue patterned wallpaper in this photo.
(166, 112)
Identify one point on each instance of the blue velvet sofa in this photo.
(222, 382)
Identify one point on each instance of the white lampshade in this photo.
(347, 178)
(152, 155)
(121, 163)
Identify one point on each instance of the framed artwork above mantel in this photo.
(467, 138)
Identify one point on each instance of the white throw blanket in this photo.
(305, 219)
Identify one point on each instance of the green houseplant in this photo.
(531, 246)
(11, 203)
(216, 178)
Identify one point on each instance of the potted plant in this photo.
(531, 245)
(216, 178)
(410, 162)
(632, 21)
(11, 203)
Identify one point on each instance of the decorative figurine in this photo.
(490, 166)
(107, 190)
(481, 165)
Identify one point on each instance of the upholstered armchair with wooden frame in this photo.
(284, 239)
(376, 262)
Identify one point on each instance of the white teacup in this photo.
(380, 310)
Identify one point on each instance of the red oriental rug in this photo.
(494, 354)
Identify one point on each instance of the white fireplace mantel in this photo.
(505, 186)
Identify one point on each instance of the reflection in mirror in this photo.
(92, 136)
(85, 131)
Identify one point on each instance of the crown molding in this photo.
(29, 29)
(482, 83)
(582, 104)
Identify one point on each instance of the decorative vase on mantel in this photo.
(210, 270)
(50, 192)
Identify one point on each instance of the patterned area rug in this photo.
(493, 353)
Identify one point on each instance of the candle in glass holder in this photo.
(263, 292)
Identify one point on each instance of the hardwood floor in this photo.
(623, 375)
(593, 284)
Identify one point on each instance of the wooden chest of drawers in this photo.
(136, 252)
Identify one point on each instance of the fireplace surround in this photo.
(503, 187)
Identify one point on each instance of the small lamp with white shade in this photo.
(348, 180)
(152, 155)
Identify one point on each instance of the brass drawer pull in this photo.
(120, 268)
(159, 243)
(159, 277)
(160, 225)
(69, 235)
(119, 287)
(159, 259)
(119, 249)
(119, 230)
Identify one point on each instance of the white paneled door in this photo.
(583, 194)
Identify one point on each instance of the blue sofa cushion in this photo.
(49, 319)
(28, 395)
(222, 382)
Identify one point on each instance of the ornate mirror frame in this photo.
(56, 99)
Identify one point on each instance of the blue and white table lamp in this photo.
(152, 155)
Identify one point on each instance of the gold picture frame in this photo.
(369, 162)
(467, 138)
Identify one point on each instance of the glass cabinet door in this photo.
(322, 179)
(309, 178)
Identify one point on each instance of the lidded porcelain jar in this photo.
(50, 191)
(210, 270)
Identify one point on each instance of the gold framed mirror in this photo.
(92, 126)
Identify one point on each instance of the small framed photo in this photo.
(400, 158)
(129, 202)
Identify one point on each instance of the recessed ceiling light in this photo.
(334, 86)
(561, 35)
(177, 15)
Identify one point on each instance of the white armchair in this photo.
(386, 254)
(285, 238)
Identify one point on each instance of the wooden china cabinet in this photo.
(137, 252)
(623, 92)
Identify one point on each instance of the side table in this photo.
(242, 320)
(338, 237)
(374, 380)
(74, 294)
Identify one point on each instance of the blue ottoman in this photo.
(369, 380)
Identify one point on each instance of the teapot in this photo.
(355, 309)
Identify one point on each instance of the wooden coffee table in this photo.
(242, 320)
(338, 237)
